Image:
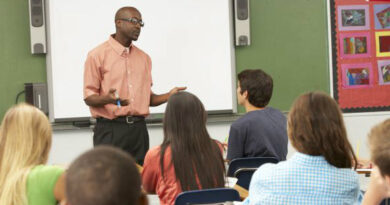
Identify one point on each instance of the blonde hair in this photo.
(379, 140)
(25, 140)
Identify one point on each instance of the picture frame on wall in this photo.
(355, 45)
(353, 17)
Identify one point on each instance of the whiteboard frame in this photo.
(88, 118)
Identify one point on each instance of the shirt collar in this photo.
(118, 48)
(309, 160)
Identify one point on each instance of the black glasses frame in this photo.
(134, 21)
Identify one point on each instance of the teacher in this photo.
(117, 87)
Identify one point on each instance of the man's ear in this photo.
(143, 200)
(245, 94)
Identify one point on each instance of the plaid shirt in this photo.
(303, 179)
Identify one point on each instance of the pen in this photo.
(118, 102)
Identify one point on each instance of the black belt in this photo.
(123, 119)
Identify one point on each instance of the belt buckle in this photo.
(129, 120)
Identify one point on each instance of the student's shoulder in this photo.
(154, 151)
(42, 170)
(274, 111)
(243, 120)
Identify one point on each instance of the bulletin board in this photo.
(361, 54)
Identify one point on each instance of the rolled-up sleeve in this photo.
(92, 76)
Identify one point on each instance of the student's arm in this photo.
(59, 189)
(236, 144)
(378, 189)
(156, 100)
(151, 171)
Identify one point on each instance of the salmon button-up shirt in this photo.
(128, 70)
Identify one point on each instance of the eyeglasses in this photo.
(134, 21)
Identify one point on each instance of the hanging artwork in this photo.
(360, 32)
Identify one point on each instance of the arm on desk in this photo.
(378, 189)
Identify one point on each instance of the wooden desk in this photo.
(243, 192)
(367, 172)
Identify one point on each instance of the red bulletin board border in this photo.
(358, 99)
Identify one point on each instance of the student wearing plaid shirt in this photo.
(321, 170)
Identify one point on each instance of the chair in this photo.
(207, 196)
(243, 168)
(385, 202)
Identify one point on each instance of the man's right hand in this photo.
(109, 98)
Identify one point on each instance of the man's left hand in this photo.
(176, 90)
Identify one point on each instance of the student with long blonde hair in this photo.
(321, 171)
(25, 141)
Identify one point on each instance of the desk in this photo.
(367, 172)
(243, 192)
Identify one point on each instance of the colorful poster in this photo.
(355, 45)
(382, 16)
(354, 17)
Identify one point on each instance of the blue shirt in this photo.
(259, 133)
(303, 179)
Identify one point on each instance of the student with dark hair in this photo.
(321, 170)
(261, 132)
(379, 187)
(188, 159)
(104, 176)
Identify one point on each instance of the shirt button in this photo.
(132, 99)
(128, 72)
(130, 85)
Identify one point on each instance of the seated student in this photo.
(321, 170)
(104, 176)
(188, 159)
(379, 187)
(25, 140)
(261, 132)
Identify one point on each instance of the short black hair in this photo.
(259, 86)
(103, 176)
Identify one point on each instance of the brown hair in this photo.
(194, 154)
(103, 176)
(258, 84)
(316, 127)
(379, 140)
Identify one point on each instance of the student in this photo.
(104, 176)
(321, 170)
(188, 159)
(379, 187)
(261, 132)
(25, 140)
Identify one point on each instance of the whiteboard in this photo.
(190, 43)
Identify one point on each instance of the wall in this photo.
(288, 41)
(17, 64)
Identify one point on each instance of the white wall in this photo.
(68, 144)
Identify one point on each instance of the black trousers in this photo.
(130, 137)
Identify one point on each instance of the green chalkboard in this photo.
(289, 41)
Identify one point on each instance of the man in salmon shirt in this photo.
(117, 87)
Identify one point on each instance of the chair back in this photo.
(243, 168)
(249, 162)
(207, 196)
